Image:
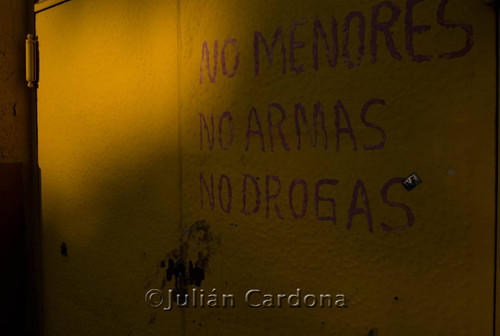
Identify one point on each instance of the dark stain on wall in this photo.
(8, 130)
(187, 265)
(64, 249)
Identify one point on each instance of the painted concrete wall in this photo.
(225, 147)
(15, 96)
(18, 229)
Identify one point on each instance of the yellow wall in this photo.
(127, 163)
(108, 153)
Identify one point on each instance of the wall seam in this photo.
(179, 140)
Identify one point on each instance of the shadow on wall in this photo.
(12, 249)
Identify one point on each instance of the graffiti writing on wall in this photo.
(340, 40)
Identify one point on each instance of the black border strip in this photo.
(496, 166)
